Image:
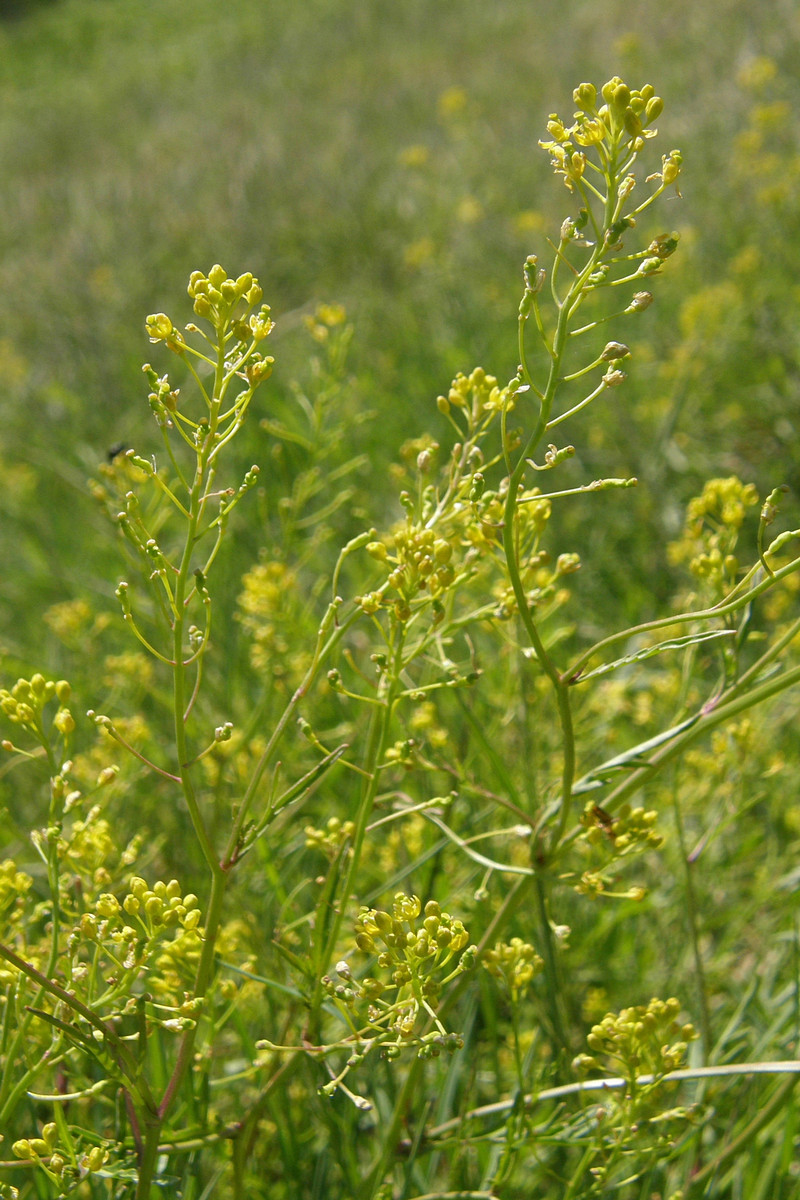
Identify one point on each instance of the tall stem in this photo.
(218, 876)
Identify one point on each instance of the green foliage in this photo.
(218, 974)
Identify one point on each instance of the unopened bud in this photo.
(158, 326)
(567, 564)
(64, 721)
(633, 123)
(621, 96)
(640, 302)
(585, 96)
(654, 109)
(614, 351)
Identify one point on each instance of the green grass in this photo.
(384, 156)
(136, 144)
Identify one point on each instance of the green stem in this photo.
(197, 501)
(566, 310)
(552, 973)
(375, 752)
(693, 921)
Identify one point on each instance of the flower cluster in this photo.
(476, 394)
(420, 561)
(622, 116)
(60, 1164)
(515, 963)
(411, 951)
(644, 1039)
(628, 831)
(330, 839)
(266, 608)
(713, 521)
(216, 298)
(417, 947)
(162, 906)
(160, 939)
(25, 702)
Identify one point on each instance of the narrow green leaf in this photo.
(679, 643)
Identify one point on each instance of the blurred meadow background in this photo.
(384, 158)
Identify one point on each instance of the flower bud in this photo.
(555, 127)
(64, 721)
(577, 164)
(621, 96)
(640, 302)
(158, 326)
(654, 109)
(632, 122)
(672, 166)
(567, 564)
(585, 96)
(614, 351)
(383, 921)
(94, 1160)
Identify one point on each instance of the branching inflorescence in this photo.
(135, 991)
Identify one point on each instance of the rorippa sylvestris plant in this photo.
(152, 1044)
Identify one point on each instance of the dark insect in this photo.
(604, 820)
